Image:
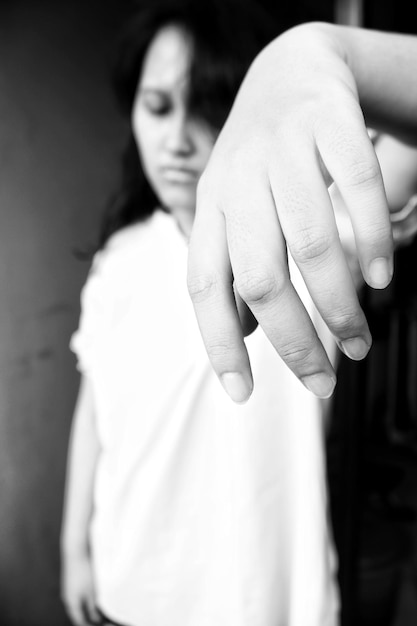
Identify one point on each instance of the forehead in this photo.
(167, 61)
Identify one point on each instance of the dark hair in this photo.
(226, 35)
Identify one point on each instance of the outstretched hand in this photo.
(296, 125)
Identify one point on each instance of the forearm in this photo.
(81, 466)
(383, 65)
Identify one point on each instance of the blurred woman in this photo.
(183, 508)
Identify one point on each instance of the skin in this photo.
(168, 137)
(174, 149)
(297, 124)
(77, 581)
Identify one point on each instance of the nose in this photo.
(179, 139)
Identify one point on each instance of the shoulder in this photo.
(129, 236)
(137, 235)
(139, 245)
(133, 240)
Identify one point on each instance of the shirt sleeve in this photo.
(87, 341)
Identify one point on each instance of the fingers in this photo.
(258, 257)
(259, 262)
(80, 604)
(210, 284)
(91, 612)
(76, 613)
(247, 217)
(308, 222)
(83, 612)
(350, 157)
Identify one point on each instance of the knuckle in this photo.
(343, 322)
(257, 285)
(309, 245)
(363, 174)
(374, 234)
(201, 287)
(218, 350)
(296, 354)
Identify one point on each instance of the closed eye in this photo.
(155, 102)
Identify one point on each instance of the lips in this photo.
(180, 174)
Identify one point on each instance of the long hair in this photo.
(226, 36)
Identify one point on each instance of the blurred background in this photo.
(60, 141)
(60, 136)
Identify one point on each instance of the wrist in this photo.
(317, 46)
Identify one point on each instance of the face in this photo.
(174, 148)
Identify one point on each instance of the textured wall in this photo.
(60, 136)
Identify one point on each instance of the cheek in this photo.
(146, 141)
(146, 154)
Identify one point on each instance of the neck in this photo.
(184, 220)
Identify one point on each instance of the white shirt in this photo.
(207, 513)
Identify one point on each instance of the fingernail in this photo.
(355, 348)
(380, 272)
(322, 385)
(236, 386)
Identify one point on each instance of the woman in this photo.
(182, 507)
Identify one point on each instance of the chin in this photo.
(183, 202)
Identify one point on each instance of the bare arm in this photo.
(299, 121)
(383, 66)
(77, 581)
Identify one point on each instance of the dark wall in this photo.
(60, 137)
(394, 15)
